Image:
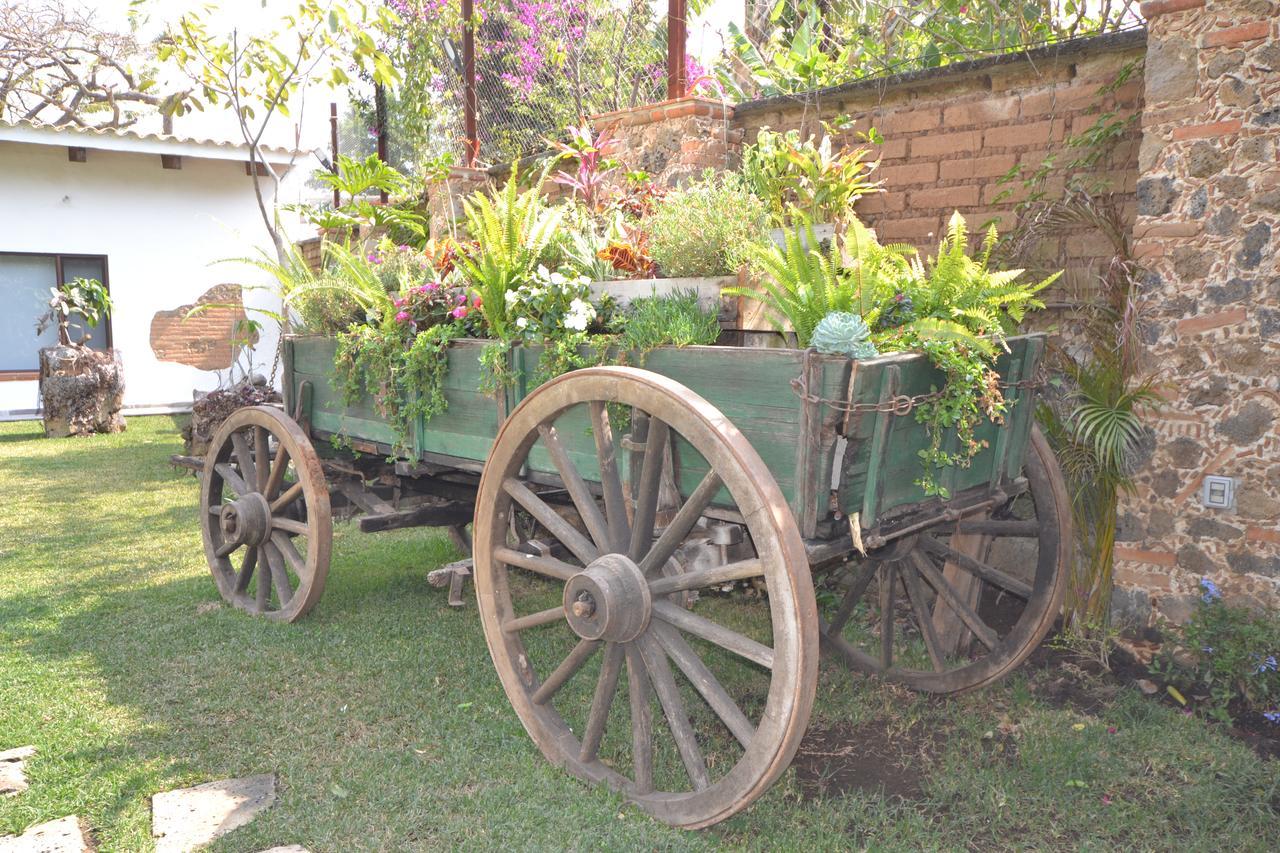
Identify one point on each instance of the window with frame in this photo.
(25, 280)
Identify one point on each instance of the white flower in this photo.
(557, 279)
(542, 271)
(580, 315)
(521, 322)
(511, 296)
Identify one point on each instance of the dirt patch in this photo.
(871, 756)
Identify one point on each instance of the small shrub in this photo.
(673, 320)
(1230, 658)
(704, 229)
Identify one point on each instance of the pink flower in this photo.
(432, 286)
(477, 303)
(403, 317)
(462, 298)
(1112, 730)
(397, 302)
(458, 313)
(374, 258)
(1106, 799)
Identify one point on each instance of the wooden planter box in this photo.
(813, 447)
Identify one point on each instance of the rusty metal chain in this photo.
(901, 404)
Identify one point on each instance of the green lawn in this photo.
(383, 719)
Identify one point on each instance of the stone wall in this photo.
(675, 140)
(1208, 218)
(972, 136)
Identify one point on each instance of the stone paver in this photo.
(13, 777)
(183, 820)
(64, 835)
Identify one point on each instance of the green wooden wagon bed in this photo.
(659, 552)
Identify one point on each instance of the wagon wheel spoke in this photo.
(713, 632)
(534, 620)
(888, 584)
(615, 502)
(548, 566)
(263, 596)
(976, 567)
(246, 569)
(261, 457)
(583, 501)
(579, 545)
(851, 598)
(664, 684)
(288, 525)
(289, 495)
(639, 691)
(232, 479)
(566, 670)
(279, 576)
(244, 458)
(289, 552)
(681, 525)
(703, 578)
(278, 466)
(948, 594)
(924, 619)
(650, 482)
(705, 682)
(602, 701)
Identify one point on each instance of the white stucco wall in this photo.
(161, 231)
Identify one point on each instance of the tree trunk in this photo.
(82, 391)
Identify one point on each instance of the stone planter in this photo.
(82, 391)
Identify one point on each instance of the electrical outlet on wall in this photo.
(1218, 492)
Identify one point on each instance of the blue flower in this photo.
(1207, 649)
(1211, 591)
(1267, 665)
(1272, 716)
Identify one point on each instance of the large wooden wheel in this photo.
(264, 512)
(733, 677)
(959, 606)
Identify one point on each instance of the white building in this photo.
(148, 215)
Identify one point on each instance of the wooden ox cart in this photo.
(654, 534)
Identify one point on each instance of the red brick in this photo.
(1208, 322)
(1206, 131)
(947, 198)
(1234, 35)
(977, 167)
(1138, 555)
(906, 175)
(910, 121)
(1262, 534)
(1126, 576)
(1148, 249)
(911, 228)
(893, 149)
(881, 203)
(1060, 100)
(936, 144)
(1154, 8)
(981, 112)
(1023, 135)
(1154, 118)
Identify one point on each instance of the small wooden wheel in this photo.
(734, 678)
(264, 505)
(959, 606)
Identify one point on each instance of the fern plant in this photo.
(514, 232)
(798, 283)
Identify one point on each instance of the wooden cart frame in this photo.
(624, 494)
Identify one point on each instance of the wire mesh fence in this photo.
(541, 65)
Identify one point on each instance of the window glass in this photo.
(24, 295)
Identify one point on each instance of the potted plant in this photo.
(81, 389)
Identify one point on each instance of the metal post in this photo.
(677, 36)
(333, 148)
(380, 120)
(469, 83)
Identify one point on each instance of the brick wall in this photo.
(952, 134)
(1208, 218)
(203, 339)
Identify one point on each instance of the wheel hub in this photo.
(608, 600)
(246, 521)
